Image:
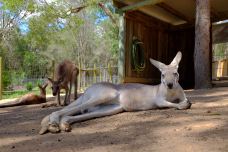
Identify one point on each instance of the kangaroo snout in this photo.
(170, 85)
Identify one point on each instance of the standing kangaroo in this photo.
(29, 99)
(104, 99)
(66, 73)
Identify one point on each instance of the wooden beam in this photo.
(1, 75)
(217, 16)
(175, 12)
(202, 54)
(122, 38)
(140, 4)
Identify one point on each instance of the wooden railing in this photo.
(219, 69)
(89, 76)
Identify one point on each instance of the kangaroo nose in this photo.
(170, 85)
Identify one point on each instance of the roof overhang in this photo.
(220, 33)
(176, 12)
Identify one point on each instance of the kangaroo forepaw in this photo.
(184, 105)
(54, 128)
(65, 127)
(189, 104)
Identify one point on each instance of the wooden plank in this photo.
(141, 80)
(1, 74)
(140, 4)
(175, 12)
(217, 16)
(122, 38)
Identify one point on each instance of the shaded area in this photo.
(202, 128)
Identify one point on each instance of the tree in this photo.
(202, 54)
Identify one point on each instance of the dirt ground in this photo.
(203, 128)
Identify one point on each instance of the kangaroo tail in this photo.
(11, 104)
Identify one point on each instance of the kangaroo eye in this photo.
(162, 75)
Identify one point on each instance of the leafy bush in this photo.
(29, 86)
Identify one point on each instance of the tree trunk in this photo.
(202, 55)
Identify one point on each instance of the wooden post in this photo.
(121, 61)
(94, 73)
(110, 72)
(53, 69)
(1, 84)
(100, 74)
(202, 60)
(79, 77)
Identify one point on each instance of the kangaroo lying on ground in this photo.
(29, 99)
(104, 99)
(66, 73)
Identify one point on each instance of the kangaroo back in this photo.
(64, 71)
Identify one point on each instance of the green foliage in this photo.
(29, 86)
(220, 51)
(6, 78)
(34, 64)
(54, 33)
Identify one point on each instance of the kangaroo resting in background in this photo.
(66, 73)
(29, 99)
(104, 99)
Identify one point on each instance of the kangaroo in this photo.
(29, 99)
(105, 99)
(66, 73)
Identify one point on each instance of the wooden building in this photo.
(165, 27)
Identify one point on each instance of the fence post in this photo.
(110, 72)
(79, 77)
(94, 73)
(1, 84)
(53, 69)
(100, 73)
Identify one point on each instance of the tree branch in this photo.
(108, 13)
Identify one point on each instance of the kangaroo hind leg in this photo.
(99, 111)
(73, 109)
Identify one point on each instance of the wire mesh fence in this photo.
(20, 81)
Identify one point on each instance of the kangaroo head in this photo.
(43, 89)
(169, 73)
(55, 85)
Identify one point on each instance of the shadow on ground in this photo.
(204, 127)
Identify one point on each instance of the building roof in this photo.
(220, 33)
(176, 12)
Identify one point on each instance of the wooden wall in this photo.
(161, 42)
(183, 40)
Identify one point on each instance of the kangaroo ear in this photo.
(176, 60)
(158, 64)
(45, 85)
(50, 79)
